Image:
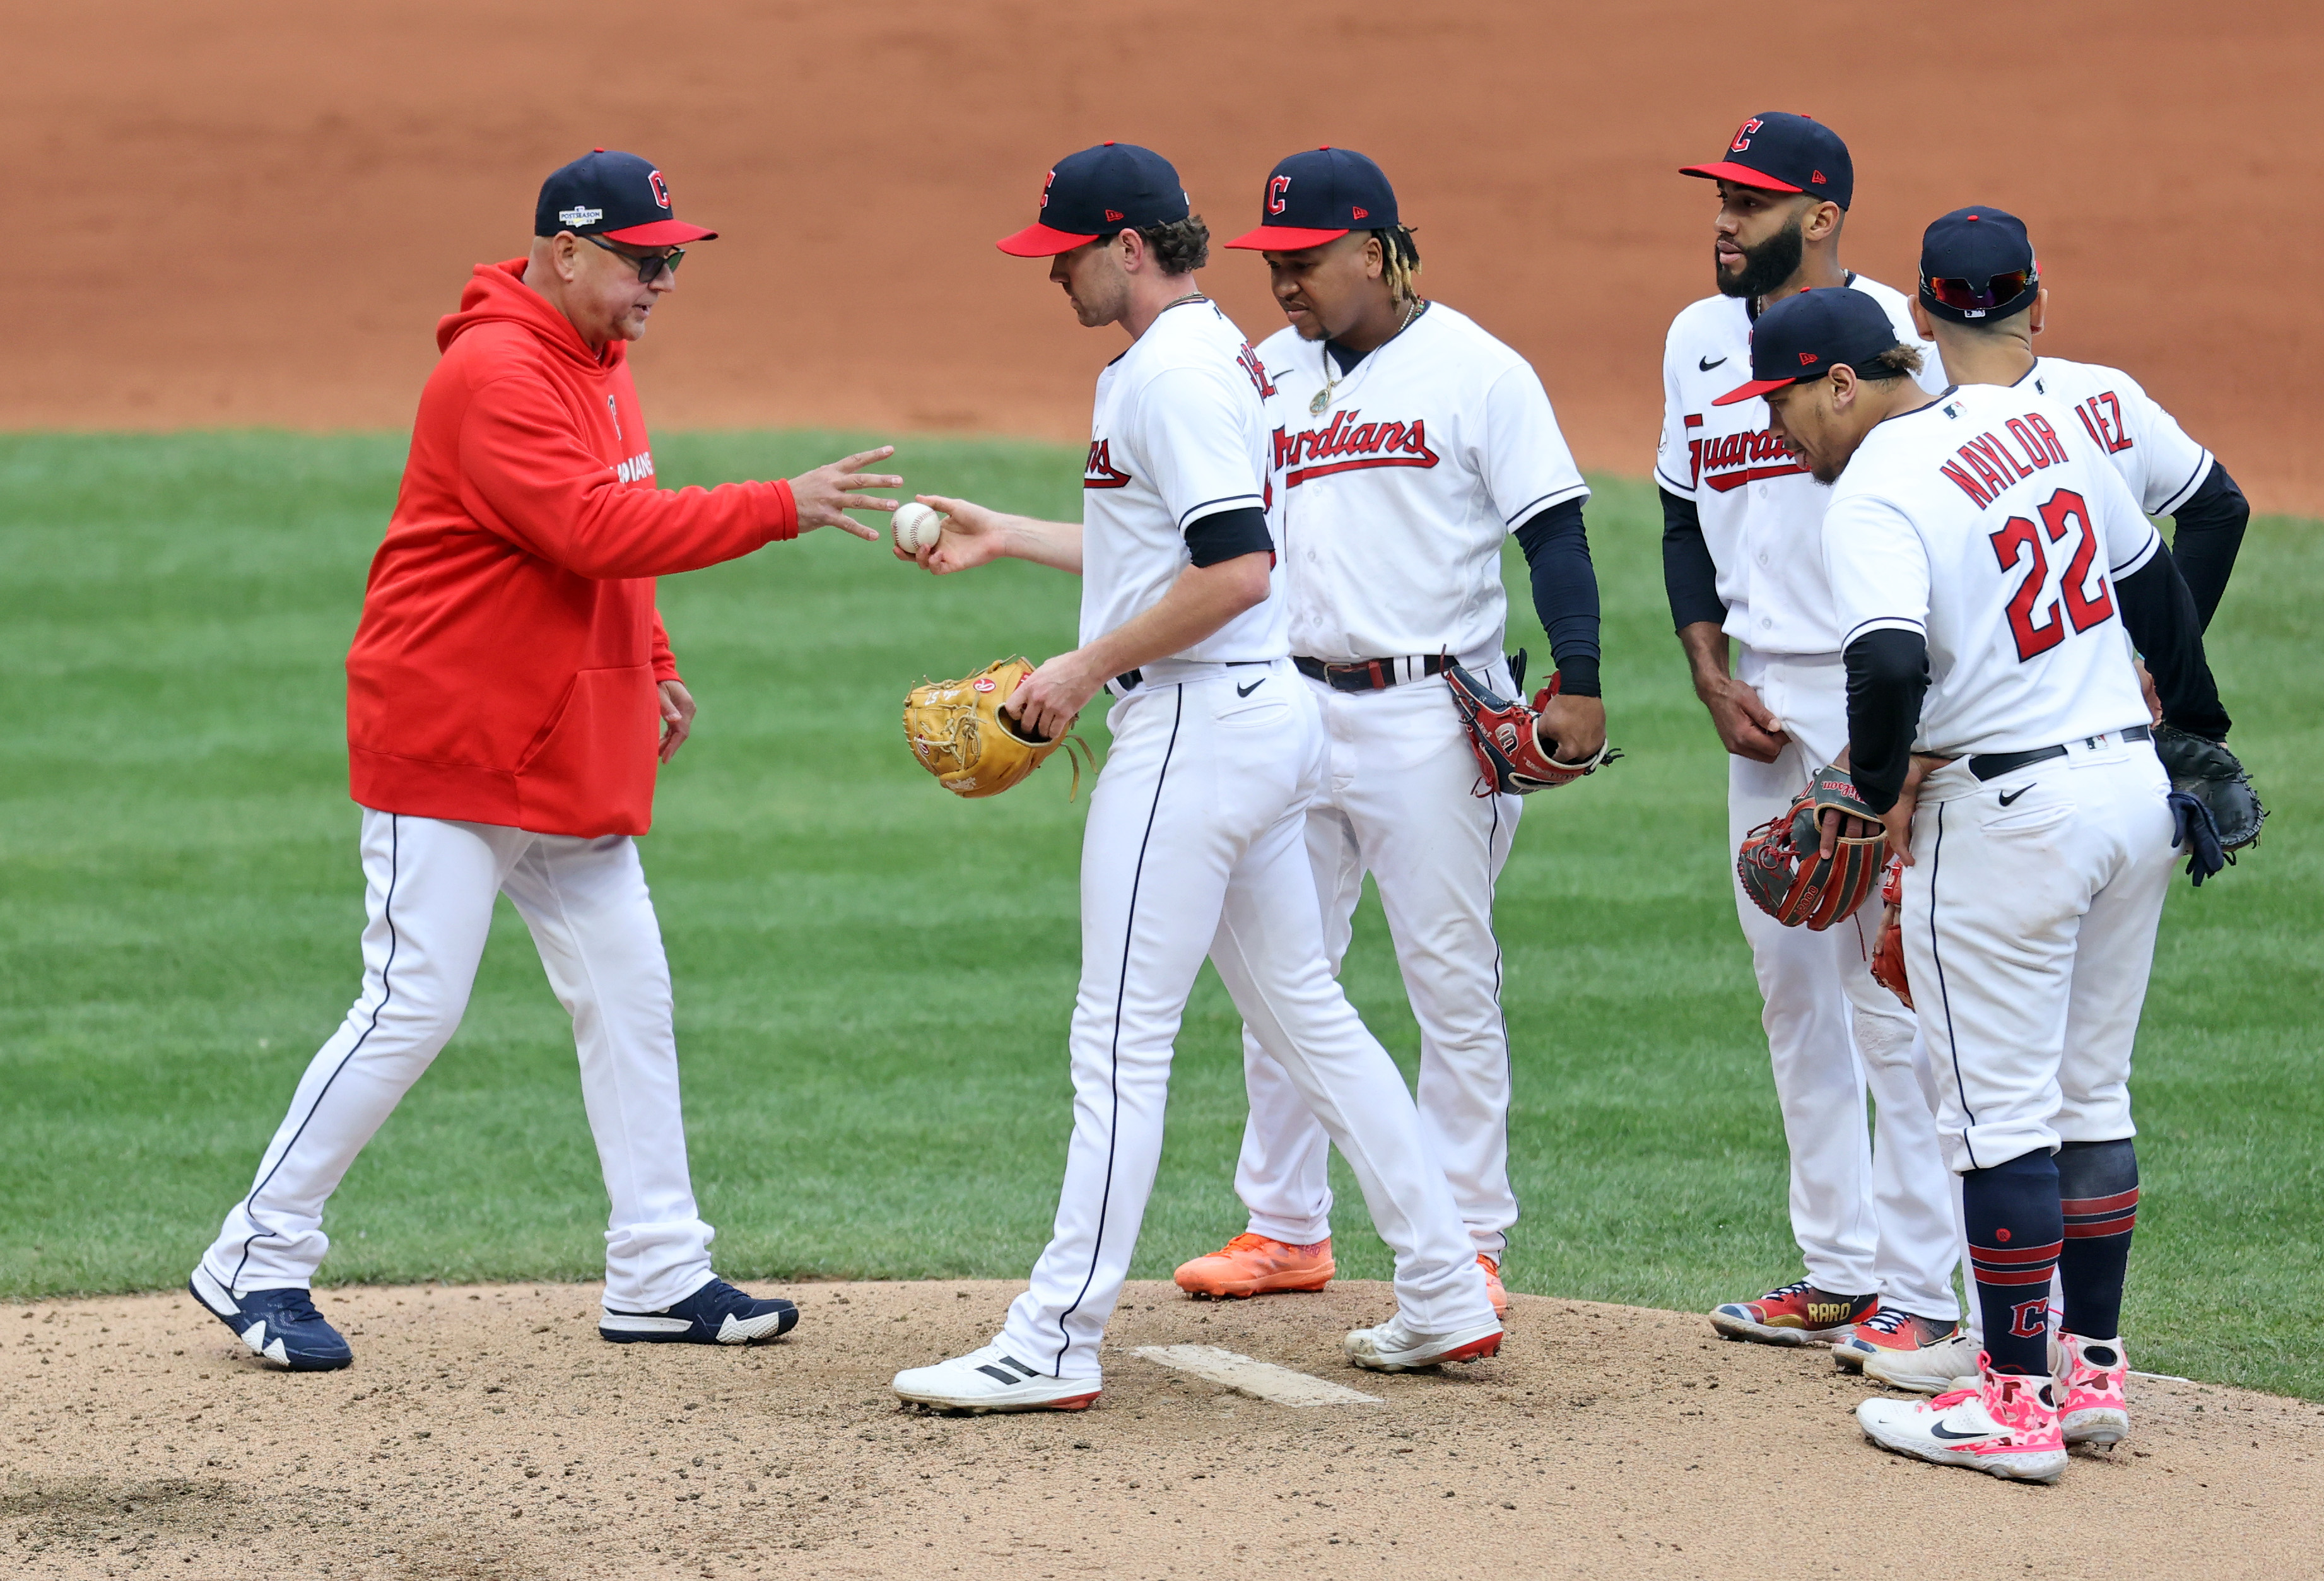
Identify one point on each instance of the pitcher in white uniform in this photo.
(1406, 445)
(1873, 1215)
(1193, 847)
(1986, 563)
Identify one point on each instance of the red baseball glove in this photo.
(1781, 864)
(1888, 954)
(1516, 761)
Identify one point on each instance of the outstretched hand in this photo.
(972, 536)
(824, 495)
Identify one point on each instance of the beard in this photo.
(1765, 266)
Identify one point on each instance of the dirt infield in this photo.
(487, 1432)
(255, 213)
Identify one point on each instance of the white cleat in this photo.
(1392, 1347)
(991, 1380)
(2007, 1426)
(1929, 1369)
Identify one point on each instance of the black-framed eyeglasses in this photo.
(1966, 296)
(652, 266)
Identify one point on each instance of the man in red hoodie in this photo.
(510, 692)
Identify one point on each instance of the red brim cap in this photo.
(1283, 238)
(1741, 175)
(1038, 241)
(1755, 388)
(661, 233)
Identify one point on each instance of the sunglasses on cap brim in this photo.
(1969, 296)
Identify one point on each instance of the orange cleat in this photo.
(1253, 1265)
(1493, 1287)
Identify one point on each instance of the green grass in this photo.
(873, 978)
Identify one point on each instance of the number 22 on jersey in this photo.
(2083, 592)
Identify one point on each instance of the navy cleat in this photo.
(279, 1325)
(716, 1314)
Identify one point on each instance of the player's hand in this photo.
(1572, 729)
(824, 495)
(2154, 698)
(972, 535)
(677, 717)
(1836, 826)
(1747, 726)
(1898, 820)
(1045, 702)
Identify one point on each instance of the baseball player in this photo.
(1984, 562)
(1194, 841)
(1406, 445)
(1978, 269)
(509, 692)
(1873, 1217)
(2169, 474)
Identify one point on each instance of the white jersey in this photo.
(2145, 443)
(1176, 436)
(1392, 504)
(1991, 524)
(1758, 507)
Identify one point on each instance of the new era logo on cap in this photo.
(1806, 357)
(1319, 196)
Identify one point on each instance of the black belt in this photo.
(1992, 765)
(1365, 674)
(1130, 680)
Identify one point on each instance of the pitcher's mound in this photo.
(488, 1432)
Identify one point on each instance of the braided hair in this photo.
(1399, 262)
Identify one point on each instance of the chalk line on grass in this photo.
(1260, 1380)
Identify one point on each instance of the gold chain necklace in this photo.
(1323, 400)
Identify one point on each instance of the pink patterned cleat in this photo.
(2007, 1425)
(2093, 1407)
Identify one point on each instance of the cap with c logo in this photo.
(1320, 195)
(1778, 152)
(1805, 336)
(1100, 192)
(617, 196)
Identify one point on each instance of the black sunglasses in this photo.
(650, 265)
(1969, 296)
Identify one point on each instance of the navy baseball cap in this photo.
(1806, 336)
(617, 196)
(1778, 152)
(1100, 192)
(1978, 264)
(1320, 195)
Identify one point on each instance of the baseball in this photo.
(918, 527)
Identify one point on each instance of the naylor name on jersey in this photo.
(1099, 471)
(1349, 445)
(1990, 463)
(1731, 462)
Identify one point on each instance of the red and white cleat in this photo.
(2007, 1425)
(2093, 1407)
(1394, 1348)
(1797, 1314)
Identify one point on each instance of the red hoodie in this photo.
(505, 667)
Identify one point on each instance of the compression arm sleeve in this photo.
(2159, 613)
(1689, 576)
(2209, 530)
(1564, 593)
(1887, 676)
(1225, 535)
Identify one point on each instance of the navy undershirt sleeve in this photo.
(2160, 614)
(1688, 577)
(2206, 532)
(1564, 593)
(1887, 677)
(1225, 535)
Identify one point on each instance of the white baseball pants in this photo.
(1870, 1212)
(2029, 937)
(1194, 846)
(1398, 800)
(431, 884)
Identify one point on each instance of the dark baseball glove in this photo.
(1784, 870)
(2211, 797)
(1515, 760)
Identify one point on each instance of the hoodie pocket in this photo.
(591, 770)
